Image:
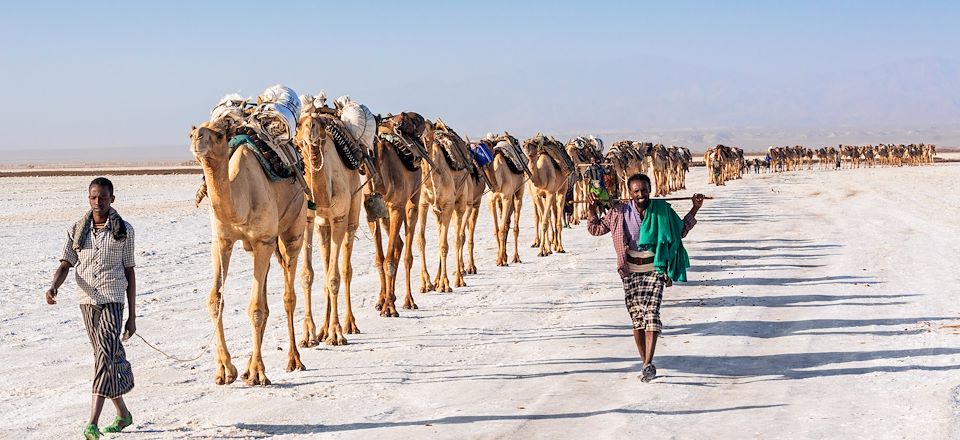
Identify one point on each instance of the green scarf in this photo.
(660, 231)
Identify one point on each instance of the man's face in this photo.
(639, 191)
(100, 199)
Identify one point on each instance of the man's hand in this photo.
(51, 296)
(130, 328)
(591, 202)
(697, 200)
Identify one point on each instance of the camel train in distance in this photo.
(286, 167)
(851, 156)
(726, 163)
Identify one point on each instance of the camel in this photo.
(400, 187)
(333, 186)
(659, 165)
(506, 196)
(548, 184)
(268, 217)
(443, 189)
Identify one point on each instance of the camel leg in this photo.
(287, 254)
(558, 225)
(324, 231)
(443, 227)
(469, 236)
(335, 233)
(225, 372)
(425, 284)
(517, 203)
(378, 262)
(346, 269)
(460, 221)
(306, 280)
(409, 230)
(499, 229)
(258, 313)
(537, 219)
(389, 308)
(543, 205)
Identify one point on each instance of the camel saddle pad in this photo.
(512, 155)
(272, 166)
(559, 156)
(408, 156)
(451, 145)
(351, 153)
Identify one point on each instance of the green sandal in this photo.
(91, 432)
(118, 424)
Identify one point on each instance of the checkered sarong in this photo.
(643, 294)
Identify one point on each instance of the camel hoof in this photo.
(353, 330)
(255, 379)
(472, 270)
(535, 245)
(336, 341)
(225, 375)
(461, 283)
(410, 306)
(561, 251)
(295, 365)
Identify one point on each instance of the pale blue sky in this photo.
(135, 74)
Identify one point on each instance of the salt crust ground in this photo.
(821, 305)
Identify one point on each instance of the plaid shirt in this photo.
(100, 265)
(614, 223)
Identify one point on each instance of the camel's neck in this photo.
(216, 173)
(538, 163)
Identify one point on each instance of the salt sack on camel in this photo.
(359, 120)
(275, 118)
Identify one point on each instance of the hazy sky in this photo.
(133, 74)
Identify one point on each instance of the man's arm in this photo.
(595, 224)
(690, 220)
(131, 275)
(59, 276)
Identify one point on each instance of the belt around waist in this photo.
(639, 260)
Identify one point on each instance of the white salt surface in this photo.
(820, 305)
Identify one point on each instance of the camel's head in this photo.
(310, 136)
(209, 139)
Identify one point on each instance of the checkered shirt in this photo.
(100, 264)
(613, 222)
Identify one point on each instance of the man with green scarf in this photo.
(650, 255)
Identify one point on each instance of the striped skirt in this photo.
(112, 375)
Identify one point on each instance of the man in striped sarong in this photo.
(650, 255)
(100, 247)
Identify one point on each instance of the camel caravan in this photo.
(723, 164)
(850, 156)
(282, 170)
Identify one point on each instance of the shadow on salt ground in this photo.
(757, 281)
(787, 301)
(485, 336)
(778, 329)
(459, 420)
(748, 247)
(772, 266)
(694, 258)
(798, 365)
(756, 240)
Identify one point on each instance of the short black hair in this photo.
(102, 182)
(638, 176)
